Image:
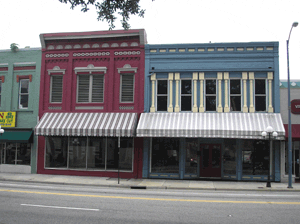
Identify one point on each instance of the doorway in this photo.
(210, 160)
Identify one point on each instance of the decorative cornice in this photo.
(23, 64)
(90, 68)
(56, 69)
(127, 53)
(87, 54)
(127, 68)
(57, 55)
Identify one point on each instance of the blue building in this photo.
(207, 107)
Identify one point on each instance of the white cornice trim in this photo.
(21, 64)
(90, 68)
(3, 64)
(127, 68)
(56, 69)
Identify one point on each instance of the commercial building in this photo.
(295, 123)
(206, 108)
(19, 99)
(92, 92)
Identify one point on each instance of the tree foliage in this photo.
(14, 47)
(107, 9)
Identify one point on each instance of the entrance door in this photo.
(210, 160)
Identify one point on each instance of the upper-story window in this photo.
(90, 88)
(260, 94)
(24, 94)
(56, 88)
(127, 88)
(235, 95)
(210, 94)
(186, 95)
(162, 95)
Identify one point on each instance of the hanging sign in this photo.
(8, 119)
(295, 106)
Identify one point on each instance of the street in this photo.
(22, 202)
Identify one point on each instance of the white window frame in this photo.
(156, 94)
(192, 90)
(265, 95)
(51, 85)
(241, 90)
(133, 90)
(23, 94)
(90, 87)
(216, 94)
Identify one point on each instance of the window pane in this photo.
(112, 154)
(229, 157)
(77, 152)
(162, 102)
(165, 155)
(191, 161)
(24, 84)
(127, 88)
(24, 153)
(83, 88)
(235, 103)
(96, 153)
(186, 103)
(24, 101)
(57, 85)
(10, 153)
(126, 150)
(210, 86)
(260, 86)
(56, 152)
(162, 86)
(186, 87)
(210, 103)
(235, 86)
(260, 103)
(98, 88)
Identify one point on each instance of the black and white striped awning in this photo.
(87, 124)
(209, 125)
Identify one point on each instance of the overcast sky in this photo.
(165, 21)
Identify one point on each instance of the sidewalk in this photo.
(147, 183)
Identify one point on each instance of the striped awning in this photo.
(87, 124)
(209, 125)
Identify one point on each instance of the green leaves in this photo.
(14, 47)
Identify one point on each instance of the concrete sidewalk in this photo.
(147, 183)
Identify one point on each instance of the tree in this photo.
(106, 9)
(14, 47)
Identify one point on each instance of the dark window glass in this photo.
(210, 86)
(260, 86)
(162, 86)
(235, 103)
(260, 103)
(96, 153)
(162, 95)
(186, 87)
(191, 162)
(77, 152)
(56, 152)
(186, 95)
(235, 86)
(186, 103)
(23, 93)
(165, 155)
(126, 151)
(162, 103)
(112, 154)
(210, 103)
(229, 157)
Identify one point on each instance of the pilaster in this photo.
(177, 78)
(270, 79)
(153, 79)
(195, 78)
(226, 78)
(244, 78)
(220, 77)
(201, 77)
(251, 78)
(170, 108)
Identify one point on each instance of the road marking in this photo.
(47, 206)
(152, 199)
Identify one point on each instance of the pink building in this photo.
(91, 95)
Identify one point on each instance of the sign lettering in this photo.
(295, 106)
(8, 119)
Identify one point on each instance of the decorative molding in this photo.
(105, 45)
(177, 78)
(77, 46)
(270, 75)
(226, 78)
(91, 54)
(153, 79)
(251, 77)
(50, 47)
(68, 46)
(90, 68)
(86, 46)
(127, 52)
(59, 47)
(124, 44)
(57, 55)
(220, 77)
(2, 78)
(126, 107)
(127, 68)
(95, 46)
(270, 78)
(56, 69)
(115, 45)
(54, 108)
(89, 108)
(134, 44)
(170, 77)
(18, 77)
(195, 78)
(24, 64)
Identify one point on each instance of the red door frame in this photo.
(206, 167)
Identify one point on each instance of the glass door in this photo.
(210, 160)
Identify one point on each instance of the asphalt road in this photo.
(44, 203)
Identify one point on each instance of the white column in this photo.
(251, 77)
(226, 78)
(220, 77)
(177, 78)
(153, 79)
(244, 78)
(170, 108)
(201, 77)
(195, 78)
(270, 79)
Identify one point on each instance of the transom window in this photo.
(162, 95)
(23, 93)
(186, 95)
(56, 88)
(235, 95)
(210, 94)
(90, 88)
(127, 88)
(260, 95)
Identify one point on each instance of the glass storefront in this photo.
(191, 160)
(295, 158)
(15, 153)
(229, 157)
(89, 153)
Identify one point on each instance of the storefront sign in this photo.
(295, 106)
(7, 119)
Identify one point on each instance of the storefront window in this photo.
(23, 154)
(229, 157)
(295, 158)
(112, 154)
(77, 152)
(165, 155)
(10, 153)
(15, 153)
(191, 161)
(56, 152)
(255, 157)
(96, 153)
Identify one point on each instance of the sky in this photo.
(166, 22)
